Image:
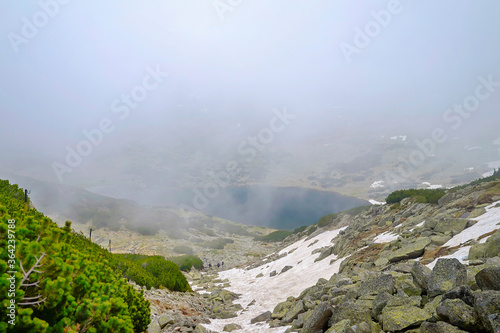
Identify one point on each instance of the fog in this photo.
(331, 95)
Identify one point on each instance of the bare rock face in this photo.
(489, 278)
(446, 275)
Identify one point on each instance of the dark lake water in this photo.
(276, 207)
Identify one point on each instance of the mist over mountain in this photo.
(353, 98)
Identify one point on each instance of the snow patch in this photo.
(385, 237)
(269, 291)
(375, 202)
(400, 137)
(485, 223)
(378, 183)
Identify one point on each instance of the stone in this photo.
(421, 275)
(201, 329)
(293, 312)
(262, 317)
(154, 327)
(402, 317)
(273, 273)
(461, 292)
(363, 328)
(384, 282)
(439, 240)
(487, 306)
(489, 278)
(488, 249)
(446, 275)
(231, 327)
(432, 305)
(318, 318)
(458, 313)
(324, 254)
(343, 326)
(456, 226)
(286, 268)
(165, 319)
(410, 251)
(439, 327)
(379, 304)
(352, 311)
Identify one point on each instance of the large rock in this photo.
(384, 282)
(262, 317)
(201, 329)
(293, 312)
(461, 292)
(446, 275)
(231, 327)
(454, 225)
(439, 327)
(401, 317)
(318, 319)
(343, 326)
(154, 327)
(489, 249)
(457, 313)
(421, 275)
(379, 304)
(166, 319)
(352, 311)
(410, 251)
(489, 278)
(487, 305)
(281, 309)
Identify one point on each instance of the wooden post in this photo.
(109, 245)
(25, 202)
(90, 238)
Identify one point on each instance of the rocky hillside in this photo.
(406, 267)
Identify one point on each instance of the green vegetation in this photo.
(151, 271)
(275, 236)
(326, 220)
(186, 262)
(218, 243)
(64, 283)
(183, 249)
(299, 229)
(420, 196)
(494, 176)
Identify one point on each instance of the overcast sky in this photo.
(224, 65)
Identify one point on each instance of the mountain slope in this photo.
(383, 248)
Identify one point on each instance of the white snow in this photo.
(401, 137)
(269, 291)
(375, 202)
(378, 183)
(385, 237)
(485, 223)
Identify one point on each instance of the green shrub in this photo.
(423, 195)
(75, 282)
(186, 262)
(299, 229)
(151, 271)
(275, 236)
(326, 220)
